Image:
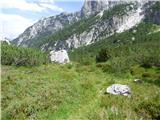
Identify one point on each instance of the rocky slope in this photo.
(45, 27)
(96, 20)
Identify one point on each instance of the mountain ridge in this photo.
(94, 22)
(52, 24)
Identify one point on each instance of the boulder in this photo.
(118, 89)
(60, 56)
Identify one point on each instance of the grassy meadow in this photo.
(77, 92)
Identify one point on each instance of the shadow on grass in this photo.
(151, 81)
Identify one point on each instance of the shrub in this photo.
(137, 71)
(149, 109)
(103, 56)
(149, 61)
(12, 55)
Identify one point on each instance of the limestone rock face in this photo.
(118, 89)
(60, 56)
(91, 7)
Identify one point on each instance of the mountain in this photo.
(45, 27)
(50, 25)
(95, 21)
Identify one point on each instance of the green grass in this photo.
(19, 56)
(75, 91)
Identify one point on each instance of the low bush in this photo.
(103, 56)
(150, 109)
(12, 55)
(149, 61)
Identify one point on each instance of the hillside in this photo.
(143, 38)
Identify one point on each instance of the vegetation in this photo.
(136, 46)
(12, 55)
(119, 10)
(75, 91)
(103, 56)
(156, 6)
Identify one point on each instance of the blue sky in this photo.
(17, 15)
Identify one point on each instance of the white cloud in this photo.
(42, 5)
(13, 25)
(52, 7)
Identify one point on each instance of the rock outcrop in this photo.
(92, 7)
(118, 89)
(60, 56)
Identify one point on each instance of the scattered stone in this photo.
(137, 80)
(134, 31)
(118, 89)
(28, 72)
(60, 56)
(133, 38)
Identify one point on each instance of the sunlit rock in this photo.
(118, 89)
(60, 56)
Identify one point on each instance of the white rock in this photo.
(100, 14)
(137, 80)
(130, 21)
(118, 89)
(133, 38)
(60, 56)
